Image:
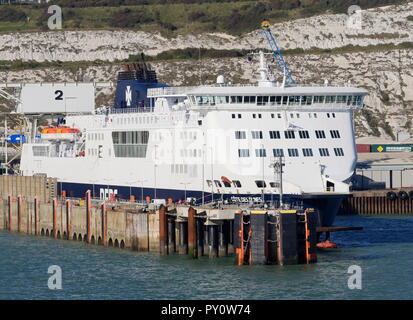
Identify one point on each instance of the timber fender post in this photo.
(200, 236)
(9, 211)
(192, 245)
(183, 235)
(163, 227)
(55, 218)
(19, 213)
(68, 211)
(88, 213)
(213, 239)
(36, 215)
(171, 235)
(104, 225)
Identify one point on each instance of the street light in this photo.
(154, 168)
(141, 181)
(107, 180)
(185, 183)
(93, 187)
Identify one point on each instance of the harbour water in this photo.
(383, 250)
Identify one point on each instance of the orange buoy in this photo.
(327, 245)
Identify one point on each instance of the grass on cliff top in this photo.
(191, 54)
(172, 18)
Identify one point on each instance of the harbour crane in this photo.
(282, 65)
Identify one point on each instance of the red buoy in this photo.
(327, 245)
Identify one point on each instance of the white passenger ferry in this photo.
(217, 142)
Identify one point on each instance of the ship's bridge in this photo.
(340, 97)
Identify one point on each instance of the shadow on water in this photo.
(376, 230)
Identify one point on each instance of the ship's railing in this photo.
(169, 91)
(125, 110)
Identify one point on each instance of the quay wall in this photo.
(377, 202)
(93, 222)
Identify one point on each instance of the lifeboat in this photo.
(59, 133)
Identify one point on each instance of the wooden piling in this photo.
(10, 212)
(183, 236)
(36, 215)
(19, 213)
(230, 237)
(222, 239)
(213, 240)
(104, 224)
(163, 227)
(192, 245)
(200, 236)
(88, 216)
(55, 218)
(171, 235)
(68, 222)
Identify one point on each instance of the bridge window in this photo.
(294, 100)
(319, 99)
(249, 99)
(330, 99)
(262, 100)
(221, 100)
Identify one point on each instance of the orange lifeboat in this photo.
(59, 133)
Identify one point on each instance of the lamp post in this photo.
(154, 173)
(185, 184)
(93, 187)
(142, 181)
(107, 180)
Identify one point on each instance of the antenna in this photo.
(282, 65)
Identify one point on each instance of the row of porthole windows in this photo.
(279, 115)
(138, 120)
(292, 152)
(288, 134)
(95, 136)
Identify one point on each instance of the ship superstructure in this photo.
(211, 143)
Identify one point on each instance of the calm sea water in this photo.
(384, 251)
